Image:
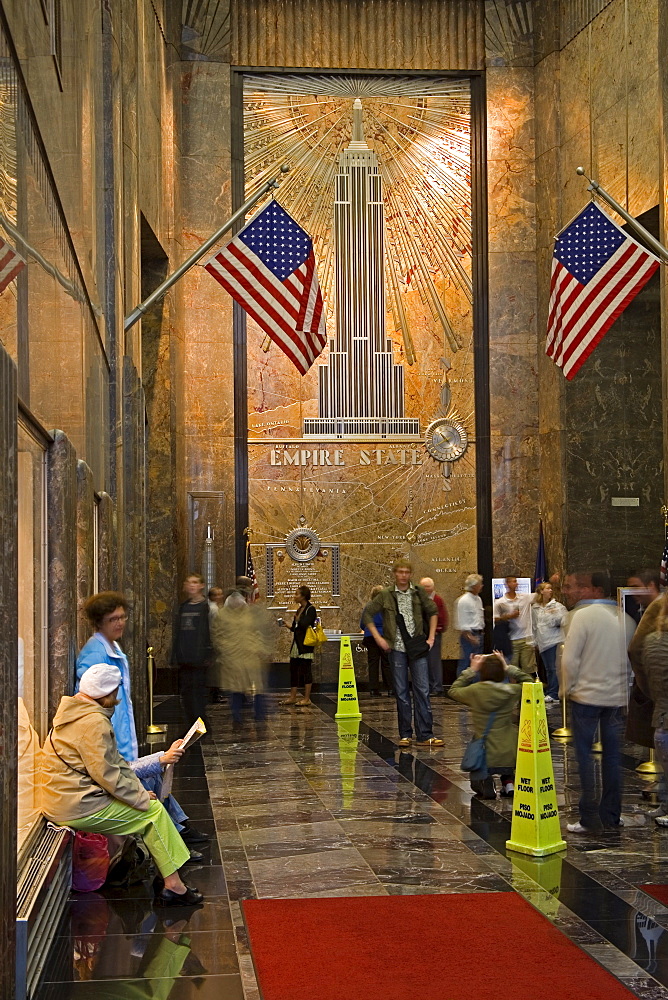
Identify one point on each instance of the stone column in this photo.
(206, 409)
(512, 284)
(85, 547)
(8, 672)
(107, 557)
(551, 433)
(134, 538)
(62, 541)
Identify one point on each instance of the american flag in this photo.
(11, 263)
(596, 271)
(663, 573)
(269, 269)
(540, 570)
(250, 572)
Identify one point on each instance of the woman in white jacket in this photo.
(548, 617)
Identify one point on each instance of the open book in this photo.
(197, 730)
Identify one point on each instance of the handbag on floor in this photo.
(132, 866)
(90, 861)
(475, 755)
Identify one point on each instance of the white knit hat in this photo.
(99, 680)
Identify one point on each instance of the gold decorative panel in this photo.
(373, 449)
(365, 34)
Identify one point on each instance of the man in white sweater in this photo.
(594, 677)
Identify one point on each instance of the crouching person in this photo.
(495, 694)
(88, 786)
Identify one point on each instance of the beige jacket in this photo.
(244, 639)
(83, 736)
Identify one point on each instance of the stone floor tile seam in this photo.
(249, 984)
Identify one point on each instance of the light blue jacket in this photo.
(100, 650)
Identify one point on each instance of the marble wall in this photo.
(513, 398)
(106, 543)
(8, 669)
(598, 101)
(134, 579)
(158, 378)
(205, 427)
(85, 547)
(62, 567)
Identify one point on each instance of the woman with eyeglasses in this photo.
(108, 612)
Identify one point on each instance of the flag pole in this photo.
(163, 288)
(650, 240)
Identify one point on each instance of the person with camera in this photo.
(495, 698)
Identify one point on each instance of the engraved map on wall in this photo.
(373, 449)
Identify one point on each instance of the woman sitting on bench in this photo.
(88, 786)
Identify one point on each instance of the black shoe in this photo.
(484, 789)
(195, 858)
(167, 897)
(192, 836)
(374, 693)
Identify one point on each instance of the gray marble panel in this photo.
(106, 543)
(8, 668)
(614, 445)
(132, 537)
(85, 548)
(62, 538)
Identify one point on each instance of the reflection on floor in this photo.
(297, 811)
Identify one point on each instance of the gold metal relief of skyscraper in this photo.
(381, 180)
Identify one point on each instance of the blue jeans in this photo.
(549, 658)
(661, 748)
(436, 666)
(585, 719)
(237, 704)
(420, 677)
(467, 648)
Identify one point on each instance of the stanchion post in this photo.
(151, 728)
(649, 766)
(563, 733)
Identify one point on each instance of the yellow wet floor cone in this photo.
(348, 706)
(535, 827)
(348, 730)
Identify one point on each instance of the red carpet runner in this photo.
(457, 946)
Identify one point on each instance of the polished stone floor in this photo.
(300, 809)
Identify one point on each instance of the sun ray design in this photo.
(420, 129)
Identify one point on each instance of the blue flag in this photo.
(540, 571)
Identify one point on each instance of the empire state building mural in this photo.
(372, 454)
(361, 389)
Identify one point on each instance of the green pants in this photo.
(154, 827)
(524, 656)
